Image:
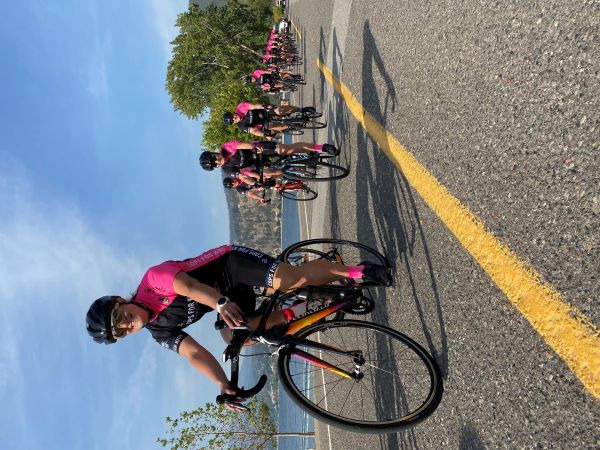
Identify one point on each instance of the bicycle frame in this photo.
(289, 342)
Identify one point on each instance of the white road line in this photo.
(339, 25)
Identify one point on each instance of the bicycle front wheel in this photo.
(303, 194)
(401, 383)
(314, 171)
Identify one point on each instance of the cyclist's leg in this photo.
(313, 273)
(301, 147)
(278, 127)
(250, 267)
(286, 110)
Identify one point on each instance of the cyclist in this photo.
(253, 118)
(235, 155)
(175, 294)
(243, 186)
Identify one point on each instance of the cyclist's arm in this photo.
(254, 196)
(245, 146)
(206, 295)
(256, 106)
(203, 361)
(249, 177)
(256, 132)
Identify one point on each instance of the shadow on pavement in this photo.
(469, 439)
(380, 186)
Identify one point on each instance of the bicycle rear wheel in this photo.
(293, 131)
(401, 386)
(313, 125)
(302, 194)
(335, 250)
(314, 171)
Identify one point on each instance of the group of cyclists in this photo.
(176, 293)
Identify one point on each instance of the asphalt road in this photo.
(500, 102)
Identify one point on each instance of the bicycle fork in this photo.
(358, 358)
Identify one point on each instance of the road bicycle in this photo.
(303, 166)
(298, 122)
(294, 190)
(351, 374)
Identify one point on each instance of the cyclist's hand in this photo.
(232, 405)
(232, 315)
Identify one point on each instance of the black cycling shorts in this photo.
(251, 267)
(269, 147)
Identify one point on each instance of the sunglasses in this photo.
(117, 315)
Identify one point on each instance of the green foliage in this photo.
(213, 45)
(215, 427)
(277, 13)
(231, 93)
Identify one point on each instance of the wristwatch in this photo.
(221, 303)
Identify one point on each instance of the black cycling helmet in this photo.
(248, 79)
(208, 160)
(97, 320)
(228, 182)
(227, 118)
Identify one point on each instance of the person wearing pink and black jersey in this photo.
(254, 117)
(246, 187)
(176, 293)
(241, 156)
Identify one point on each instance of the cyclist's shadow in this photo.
(382, 188)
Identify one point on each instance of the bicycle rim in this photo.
(314, 171)
(294, 131)
(303, 194)
(335, 250)
(401, 386)
(313, 124)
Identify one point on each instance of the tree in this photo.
(214, 44)
(215, 427)
(229, 95)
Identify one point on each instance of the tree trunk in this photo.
(307, 434)
(250, 50)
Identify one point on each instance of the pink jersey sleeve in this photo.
(243, 108)
(248, 172)
(160, 278)
(258, 73)
(229, 148)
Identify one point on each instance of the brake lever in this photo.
(230, 400)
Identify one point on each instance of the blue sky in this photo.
(98, 181)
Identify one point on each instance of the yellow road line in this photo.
(296, 28)
(572, 335)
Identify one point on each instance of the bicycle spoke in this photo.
(395, 387)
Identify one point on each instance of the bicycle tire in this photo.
(313, 125)
(312, 115)
(293, 132)
(341, 251)
(304, 194)
(380, 382)
(313, 171)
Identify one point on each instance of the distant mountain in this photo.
(254, 225)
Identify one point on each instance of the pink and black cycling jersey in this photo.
(232, 270)
(258, 73)
(254, 118)
(156, 288)
(242, 108)
(237, 159)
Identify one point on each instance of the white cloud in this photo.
(51, 266)
(163, 16)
